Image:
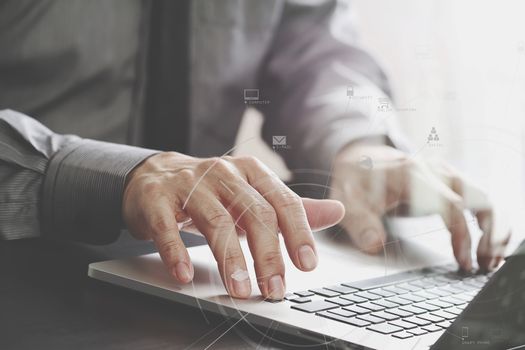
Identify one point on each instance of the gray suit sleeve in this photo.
(60, 186)
(312, 67)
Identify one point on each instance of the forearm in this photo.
(60, 186)
(308, 92)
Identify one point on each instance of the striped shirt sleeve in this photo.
(60, 186)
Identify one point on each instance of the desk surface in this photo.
(48, 302)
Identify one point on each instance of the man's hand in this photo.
(221, 197)
(372, 180)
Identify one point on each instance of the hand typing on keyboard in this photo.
(219, 197)
(372, 179)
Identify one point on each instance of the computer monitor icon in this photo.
(251, 94)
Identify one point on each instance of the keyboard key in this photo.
(372, 306)
(426, 306)
(462, 306)
(290, 296)
(368, 295)
(417, 320)
(444, 314)
(403, 324)
(475, 284)
(398, 300)
(439, 303)
(408, 286)
(481, 278)
(342, 289)
(385, 315)
(438, 292)
(384, 328)
(342, 312)
(425, 283)
(382, 281)
(431, 318)
(348, 320)
(399, 312)
(305, 293)
(402, 335)
(314, 306)
(451, 289)
(357, 309)
(370, 318)
(339, 301)
(395, 290)
(424, 294)
(324, 292)
(465, 297)
(421, 283)
(472, 293)
(353, 298)
(357, 322)
(448, 278)
(382, 292)
(300, 300)
(432, 328)
(412, 297)
(417, 331)
(450, 299)
(444, 324)
(454, 310)
(435, 282)
(384, 303)
(466, 287)
(413, 309)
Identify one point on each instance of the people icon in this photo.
(433, 136)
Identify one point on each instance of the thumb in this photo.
(324, 213)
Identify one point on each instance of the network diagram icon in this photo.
(433, 136)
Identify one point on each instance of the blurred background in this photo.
(457, 70)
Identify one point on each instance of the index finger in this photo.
(291, 215)
(430, 194)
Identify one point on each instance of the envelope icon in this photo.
(279, 140)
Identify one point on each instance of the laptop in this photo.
(410, 297)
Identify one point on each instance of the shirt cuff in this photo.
(83, 190)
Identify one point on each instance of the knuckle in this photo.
(169, 248)
(220, 220)
(233, 256)
(264, 212)
(161, 226)
(217, 165)
(186, 175)
(289, 199)
(271, 258)
(249, 160)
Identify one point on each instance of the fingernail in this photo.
(307, 258)
(275, 288)
(182, 272)
(241, 283)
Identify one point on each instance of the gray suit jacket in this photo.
(78, 67)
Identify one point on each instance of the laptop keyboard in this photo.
(402, 305)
